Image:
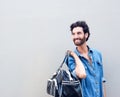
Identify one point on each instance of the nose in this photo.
(75, 36)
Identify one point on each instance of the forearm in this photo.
(104, 89)
(79, 69)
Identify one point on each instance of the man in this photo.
(85, 62)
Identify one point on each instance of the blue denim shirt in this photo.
(92, 84)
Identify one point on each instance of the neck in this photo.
(83, 49)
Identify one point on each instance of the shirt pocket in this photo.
(99, 66)
(99, 63)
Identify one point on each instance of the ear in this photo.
(86, 35)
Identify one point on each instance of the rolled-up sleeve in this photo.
(70, 63)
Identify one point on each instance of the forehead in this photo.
(77, 29)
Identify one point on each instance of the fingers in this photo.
(69, 52)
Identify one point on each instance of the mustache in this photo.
(76, 39)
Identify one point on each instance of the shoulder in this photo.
(97, 54)
(95, 51)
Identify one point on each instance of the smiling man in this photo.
(85, 62)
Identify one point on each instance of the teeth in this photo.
(77, 40)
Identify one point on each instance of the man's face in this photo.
(78, 36)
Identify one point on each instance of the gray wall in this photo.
(34, 35)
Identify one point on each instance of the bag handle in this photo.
(66, 56)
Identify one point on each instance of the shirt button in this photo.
(96, 82)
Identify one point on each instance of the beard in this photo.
(79, 42)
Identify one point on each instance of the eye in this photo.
(78, 33)
(73, 33)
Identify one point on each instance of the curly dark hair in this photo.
(81, 24)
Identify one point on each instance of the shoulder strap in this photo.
(65, 58)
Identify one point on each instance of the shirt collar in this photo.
(79, 54)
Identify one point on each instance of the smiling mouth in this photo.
(76, 40)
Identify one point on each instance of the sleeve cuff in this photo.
(103, 80)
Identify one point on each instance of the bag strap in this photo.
(65, 58)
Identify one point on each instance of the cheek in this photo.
(73, 37)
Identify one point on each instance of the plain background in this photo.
(35, 34)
